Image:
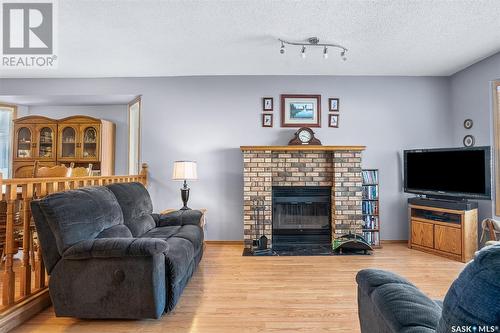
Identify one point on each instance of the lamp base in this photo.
(185, 197)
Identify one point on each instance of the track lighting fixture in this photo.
(313, 42)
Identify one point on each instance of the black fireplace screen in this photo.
(301, 215)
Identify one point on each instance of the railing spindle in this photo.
(27, 196)
(8, 292)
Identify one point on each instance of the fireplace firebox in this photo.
(301, 217)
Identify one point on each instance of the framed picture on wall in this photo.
(267, 104)
(333, 104)
(267, 120)
(333, 120)
(300, 110)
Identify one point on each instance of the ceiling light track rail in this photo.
(313, 42)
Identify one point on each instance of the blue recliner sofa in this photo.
(388, 303)
(109, 256)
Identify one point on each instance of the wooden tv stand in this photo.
(445, 232)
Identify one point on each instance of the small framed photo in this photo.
(300, 110)
(333, 104)
(267, 120)
(333, 120)
(267, 104)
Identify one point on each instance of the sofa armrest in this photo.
(179, 217)
(115, 248)
(369, 279)
(389, 303)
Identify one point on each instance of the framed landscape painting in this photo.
(300, 110)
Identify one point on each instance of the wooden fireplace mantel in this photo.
(304, 147)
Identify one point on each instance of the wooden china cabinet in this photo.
(77, 139)
(34, 139)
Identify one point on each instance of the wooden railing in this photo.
(23, 270)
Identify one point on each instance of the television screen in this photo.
(460, 172)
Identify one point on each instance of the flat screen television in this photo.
(461, 173)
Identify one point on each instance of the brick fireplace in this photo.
(338, 167)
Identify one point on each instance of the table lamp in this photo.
(185, 170)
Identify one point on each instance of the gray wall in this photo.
(208, 118)
(471, 97)
(115, 113)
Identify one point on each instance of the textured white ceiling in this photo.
(116, 38)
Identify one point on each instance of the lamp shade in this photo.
(184, 170)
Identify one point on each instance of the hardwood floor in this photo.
(231, 293)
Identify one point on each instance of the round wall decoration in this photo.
(469, 141)
(468, 123)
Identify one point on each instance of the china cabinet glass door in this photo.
(90, 147)
(24, 143)
(68, 142)
(46, 143)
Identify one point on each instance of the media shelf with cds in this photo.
(370, 207)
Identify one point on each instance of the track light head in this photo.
(342, 55)
(282, 48)
(303, 52)
(325, 53)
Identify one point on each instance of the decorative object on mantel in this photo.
(468, 123)
(185, 170)
(333, 104)
(304, 136)
(300, 110)
(267, 104)
(267, 120)
(313, 42)
(469, 141)
(333, 120)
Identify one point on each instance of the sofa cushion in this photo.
(116, 231)
(473, 298)
(192, 233)
(81, 214)
(162, 232)
(136, 206)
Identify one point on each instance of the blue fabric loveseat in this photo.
(388, 303)
(109, 256)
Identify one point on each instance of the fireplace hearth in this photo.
(301, 217)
